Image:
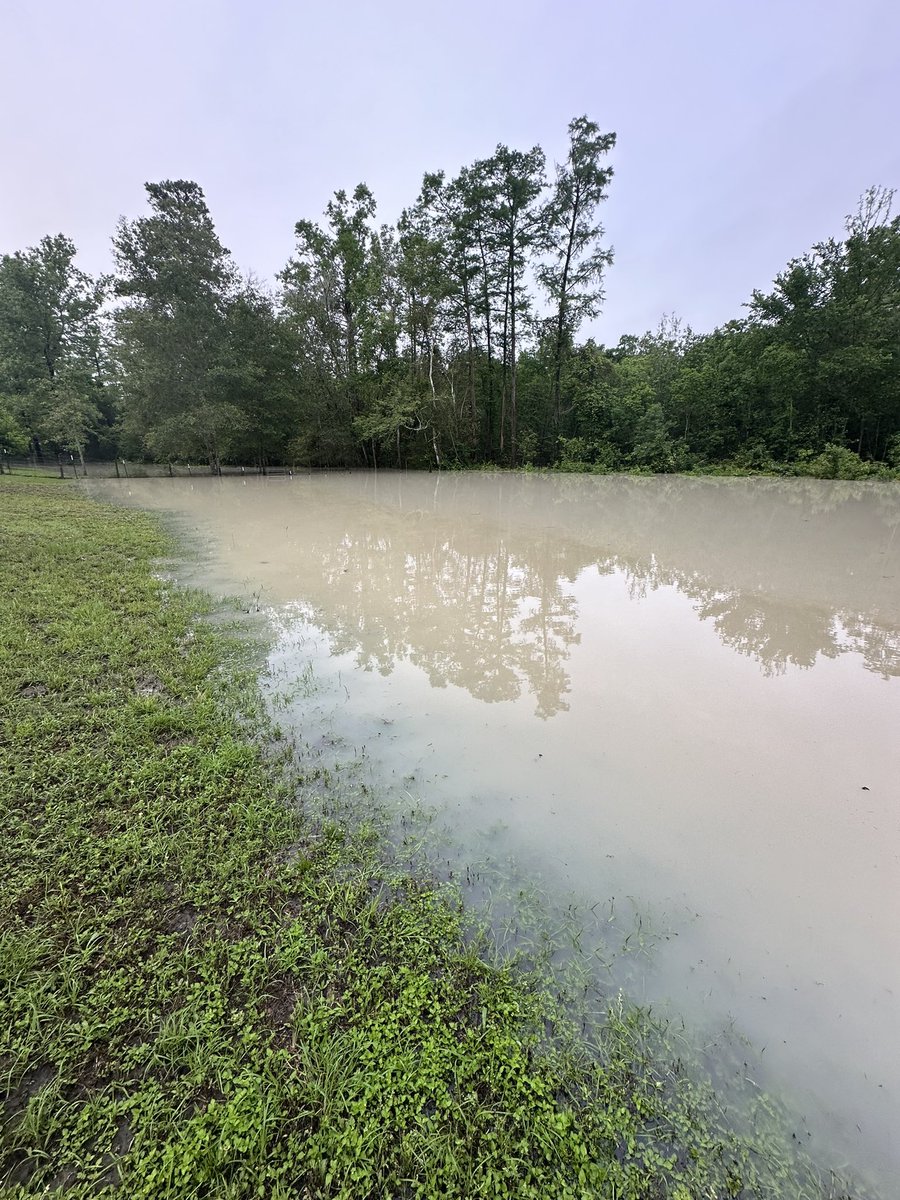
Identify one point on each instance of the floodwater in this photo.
(684, 691)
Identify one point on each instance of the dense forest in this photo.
(449, 339)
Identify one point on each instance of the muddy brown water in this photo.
(684, 691)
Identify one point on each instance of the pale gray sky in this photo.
(746, 130)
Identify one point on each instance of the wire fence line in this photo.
(67, 466)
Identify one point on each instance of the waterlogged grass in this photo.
(206, 993)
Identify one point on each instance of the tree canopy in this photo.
(449, 338)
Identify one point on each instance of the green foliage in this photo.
(52, 361)
(448, 340)
(255, 377)
(68, 416)
(382, 425)
(176, 281)
(815, 367)
(13, 436)
(578, 454)
(835, 462)
(652, 446)
(333, 299)
(754, 456)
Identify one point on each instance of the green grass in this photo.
(205, 992)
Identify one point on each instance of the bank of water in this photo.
(678, 695)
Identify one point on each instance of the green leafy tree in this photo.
(69, 417)
(454, 271)
(436, 274)
(514, 181)
(472, 197)
(175, 281)
(52, 345)
(256, 375)
(571, 234)
(383, 425)
(836, 310)
(336, 299)
(13, 436)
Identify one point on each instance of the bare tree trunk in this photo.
(351, 358)
(434, 436)
(470, 338)
(488, 333)
(513, 413)
(561, 315)
(505, 375)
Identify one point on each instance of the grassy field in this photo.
(205, 991)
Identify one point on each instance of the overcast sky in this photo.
(746, 130)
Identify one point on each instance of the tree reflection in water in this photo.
(494, 620)
(786, 572)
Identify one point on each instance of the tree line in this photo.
(448, 339)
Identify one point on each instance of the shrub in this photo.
(835, 462)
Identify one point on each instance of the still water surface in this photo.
(684, 691)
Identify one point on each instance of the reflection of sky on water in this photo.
(472, 577)
(785, 573)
